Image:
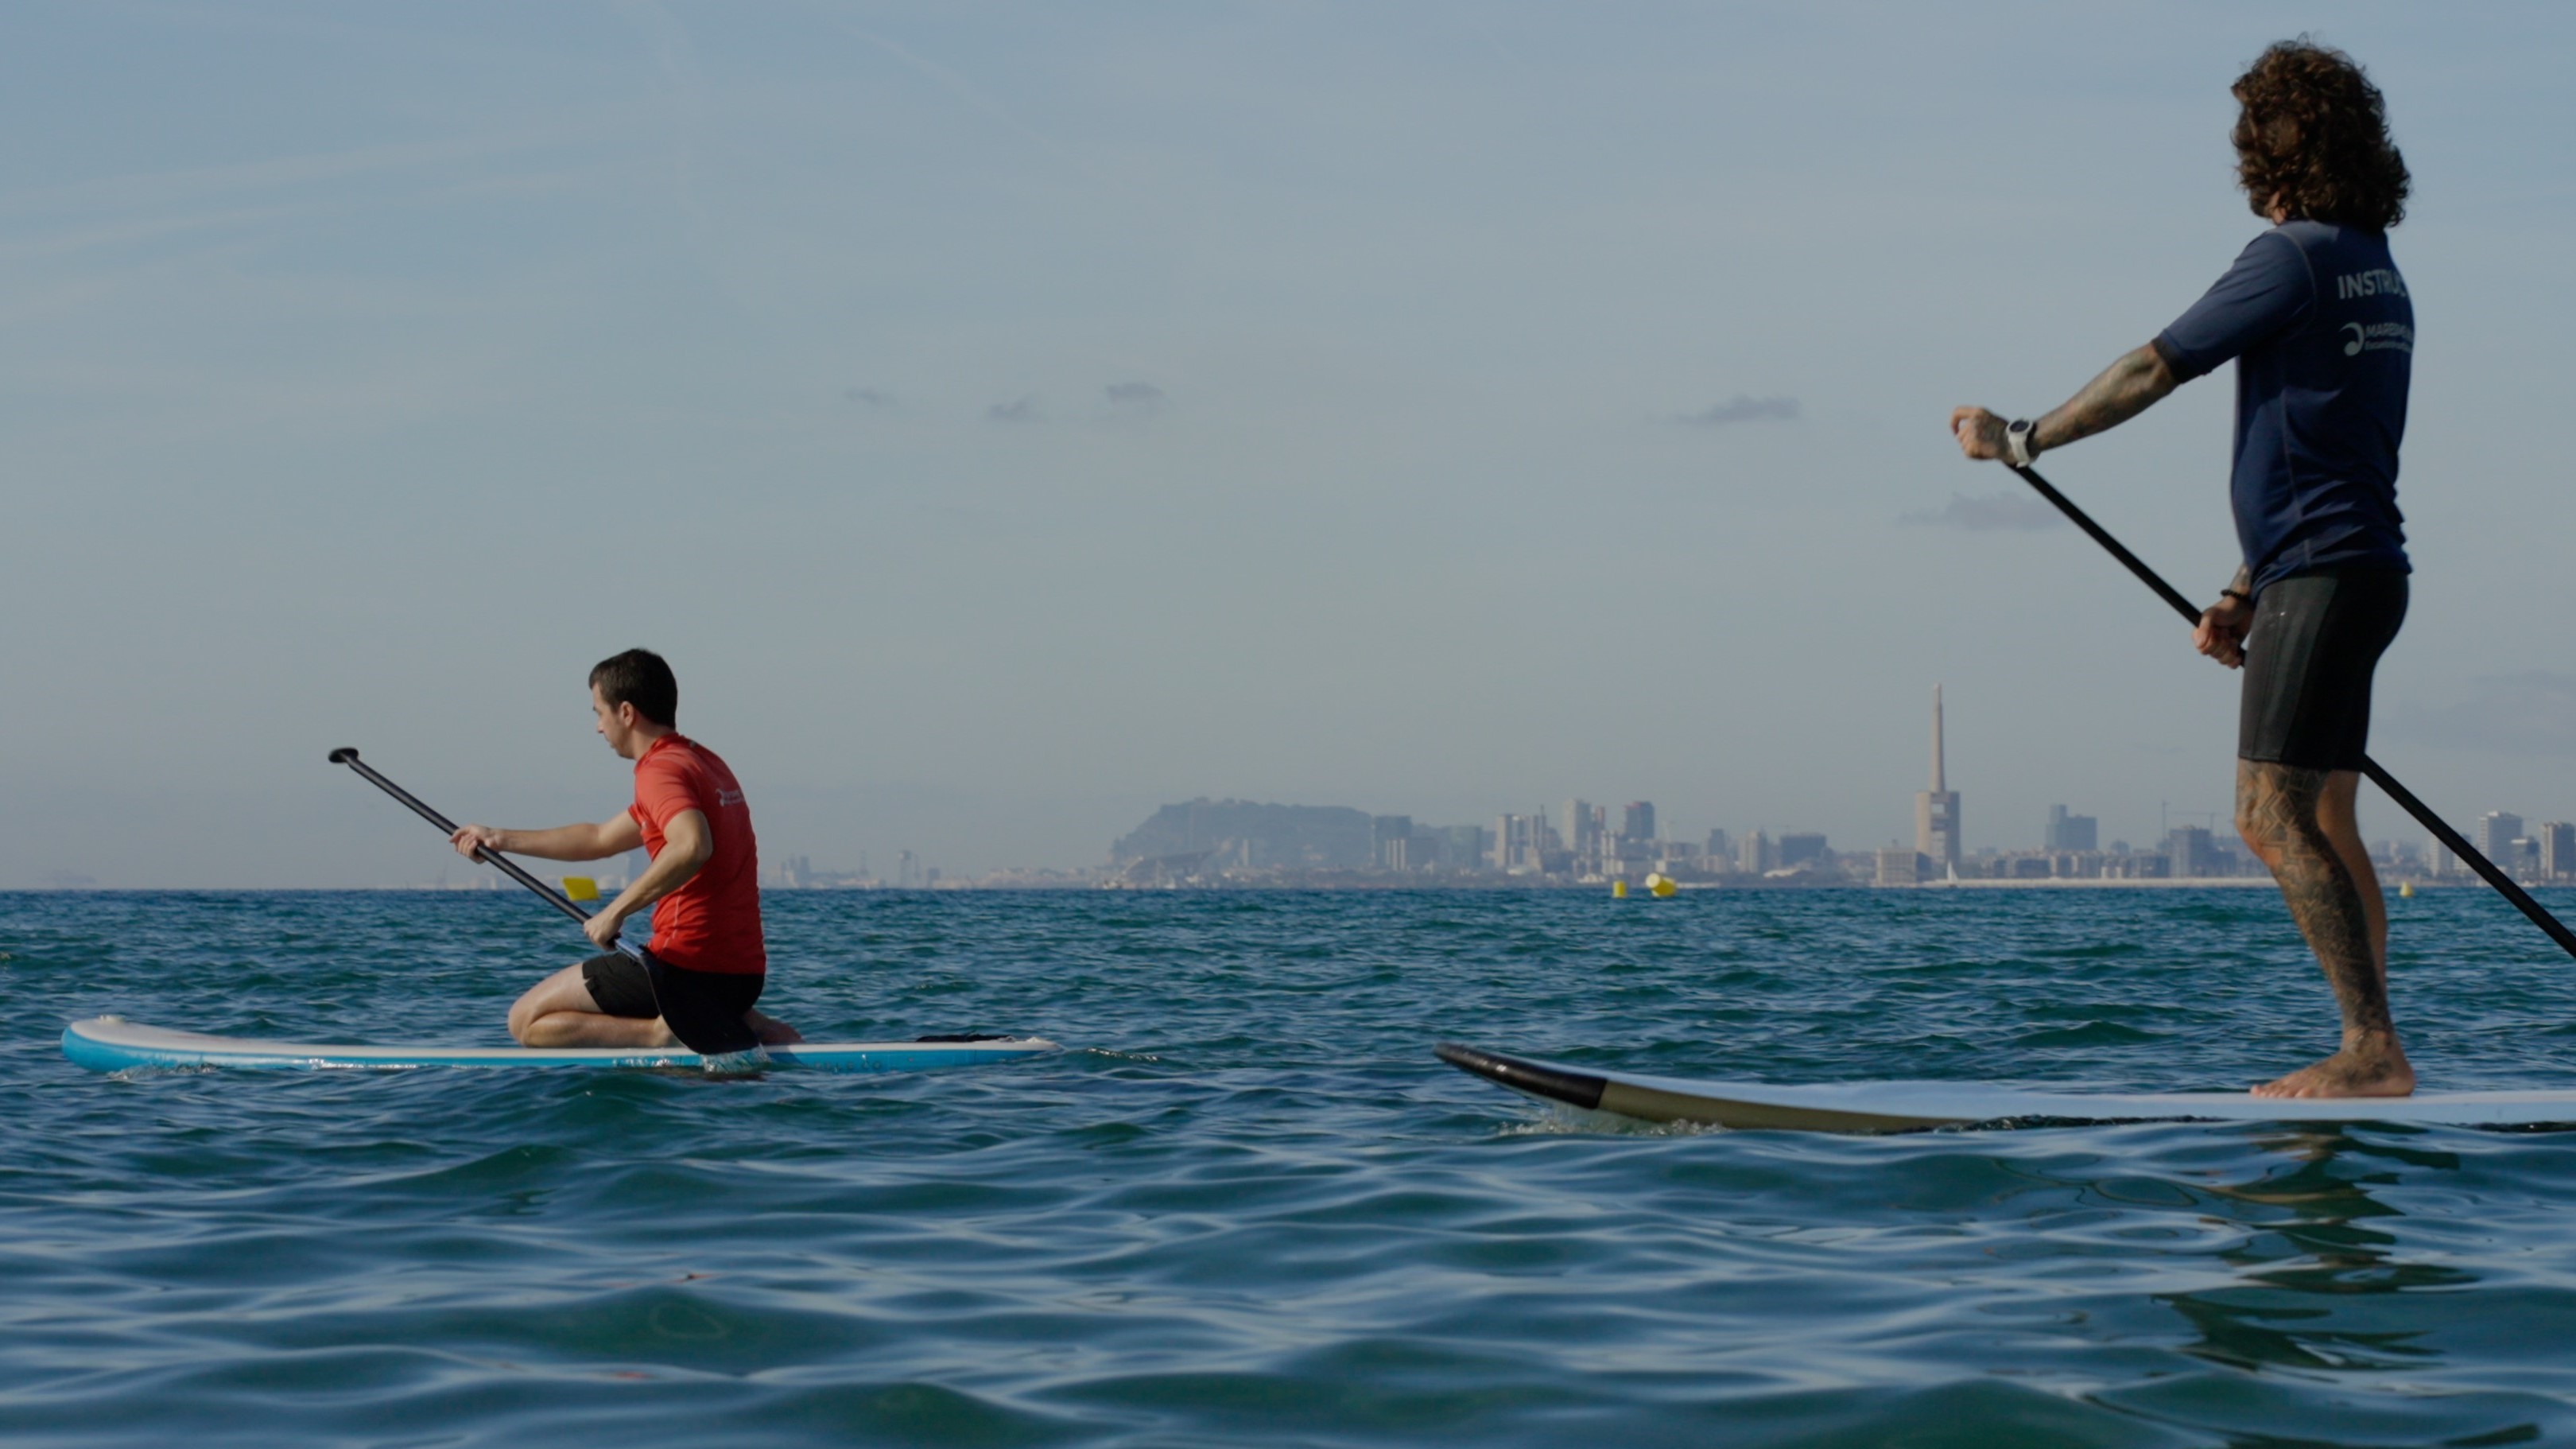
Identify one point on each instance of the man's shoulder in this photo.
(682, 764)
(677, 752)
(2274, 264)
(670, 765)
(2284, 247)
(702, 758)
(2335, 241)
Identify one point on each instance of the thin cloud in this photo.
(1988, 513)
(143, 207)
(973, 95)
(1742, 408)
(1025, 410)
(2533, 713)
(869, 396)
(1138, 394)
(163, 189)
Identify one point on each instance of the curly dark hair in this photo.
(2313, 138)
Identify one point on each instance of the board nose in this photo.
(1579, 1089)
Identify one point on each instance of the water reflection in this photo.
(2321, 1263)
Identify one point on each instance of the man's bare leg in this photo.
(560, 1012)
(2342, 825)
(2302, 823)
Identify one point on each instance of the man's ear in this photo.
(627, 714)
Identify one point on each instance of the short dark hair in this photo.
(641, 678)
(2313, 137)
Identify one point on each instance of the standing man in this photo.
(707, 962)
(2316, 318)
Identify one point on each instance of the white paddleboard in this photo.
(113, 1044)
(1917, 1106)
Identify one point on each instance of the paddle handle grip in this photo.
(2452, 840)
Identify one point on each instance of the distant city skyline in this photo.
(1578, 841)
(1580, 844)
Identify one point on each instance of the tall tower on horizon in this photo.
(1936, 811)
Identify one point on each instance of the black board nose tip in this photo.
(1460, 1055)
(1577, 1089)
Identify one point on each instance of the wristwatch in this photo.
(2017, 448)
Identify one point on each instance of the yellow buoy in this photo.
(2406, 890)
(580, 888)
(1663, 886)
(1618, 890)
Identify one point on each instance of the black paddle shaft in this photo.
(2457, 843)
(555, 898)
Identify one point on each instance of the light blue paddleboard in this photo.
(1917, 1106)
(113, 1044)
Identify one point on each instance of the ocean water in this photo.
(1247, 1206)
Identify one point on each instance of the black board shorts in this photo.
(704, 1009)
(2308, 661)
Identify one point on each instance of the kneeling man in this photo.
(697, 982)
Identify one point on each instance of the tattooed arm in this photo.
(2128, 387)
(2125, 389)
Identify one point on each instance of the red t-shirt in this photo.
(712, 922)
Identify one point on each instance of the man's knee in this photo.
(2249, 826)
(2256, 824)
(553, 1029)
(563, 991)
(2278, 807)
(523, 1016)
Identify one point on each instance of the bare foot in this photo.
(2352, 1072)
(770, 1030)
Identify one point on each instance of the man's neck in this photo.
(649, 735)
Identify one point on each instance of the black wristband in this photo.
(2237, 594)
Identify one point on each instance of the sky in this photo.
(1011, 418)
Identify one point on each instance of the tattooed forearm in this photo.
(2125, 389)
(2276, 809)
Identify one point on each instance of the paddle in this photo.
(348, 756)
(2455, 842)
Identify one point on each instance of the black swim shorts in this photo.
(704, 1009)
(2308, 661)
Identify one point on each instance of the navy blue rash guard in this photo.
(2318, 322)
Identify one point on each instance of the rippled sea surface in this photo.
(1247, 1206)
